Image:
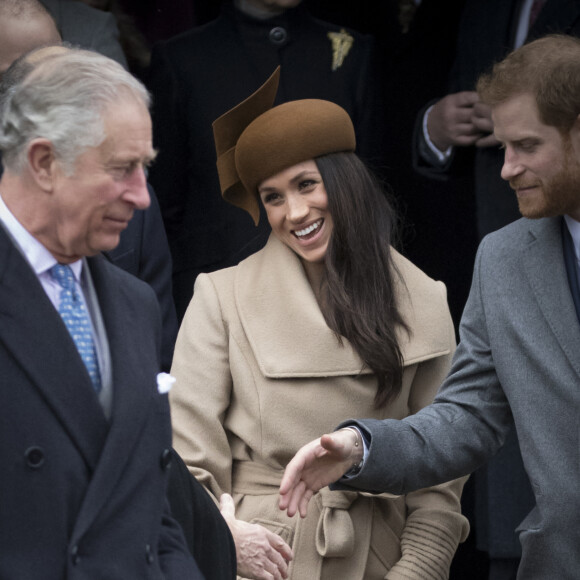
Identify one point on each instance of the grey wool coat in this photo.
(519, 354)
(259, 374)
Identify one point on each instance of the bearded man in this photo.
(519, 354)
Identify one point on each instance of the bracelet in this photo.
(356, 467)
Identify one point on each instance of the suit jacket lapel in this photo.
(544, 264)
(32, 330)
(132, 389)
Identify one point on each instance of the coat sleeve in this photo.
(201, 395)
(466, 424)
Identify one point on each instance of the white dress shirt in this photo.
(41, 261)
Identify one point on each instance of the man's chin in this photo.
(530, 210)
(107, 244)
(536, 213)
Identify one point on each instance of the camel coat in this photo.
(259, 374)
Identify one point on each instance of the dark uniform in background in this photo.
(199, 75)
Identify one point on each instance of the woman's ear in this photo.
(42, 163)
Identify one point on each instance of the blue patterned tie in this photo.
(74, 314)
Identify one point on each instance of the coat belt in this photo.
(337, 528)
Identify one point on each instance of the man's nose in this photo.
(511, 165)
(138, 191)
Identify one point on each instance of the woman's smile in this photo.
(310, 231)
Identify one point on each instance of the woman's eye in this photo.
(307, 183)
(271, 197)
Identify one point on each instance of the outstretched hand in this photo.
(316, 465)
(261, 554)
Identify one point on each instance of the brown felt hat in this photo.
(255, 141)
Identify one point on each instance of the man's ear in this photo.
(42, 163)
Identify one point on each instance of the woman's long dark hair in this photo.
(358, 299)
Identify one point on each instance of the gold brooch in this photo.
(341, 44)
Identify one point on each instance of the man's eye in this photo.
(122, 171)
(528, 146)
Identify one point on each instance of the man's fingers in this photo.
(292, 498)
(462, 118)
(304, 501)
(276, 564)
(292, 474)
(487, 141)
(282, 549)
(279, 555)
(295, 468)
(313, 467)
(482, 124)
(334, 443)
(283, 501)
(465, 98)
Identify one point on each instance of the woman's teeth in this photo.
(308, 230)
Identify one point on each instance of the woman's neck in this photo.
(315, 273)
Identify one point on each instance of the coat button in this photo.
(74, 555)
(166, 459)
(148, 554)
(34, 457)
(278, 36)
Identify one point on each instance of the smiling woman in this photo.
(326, 323)
(297, 208)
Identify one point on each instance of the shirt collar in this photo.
(37, 255)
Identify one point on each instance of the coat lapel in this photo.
(133, 388)
(544, 264)
(276, 304)
(32, 330)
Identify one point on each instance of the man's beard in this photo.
(560, 195)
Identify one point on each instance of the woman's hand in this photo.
(261, 554)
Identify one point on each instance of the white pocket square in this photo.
(164, 383)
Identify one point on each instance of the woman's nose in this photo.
(297, 208)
